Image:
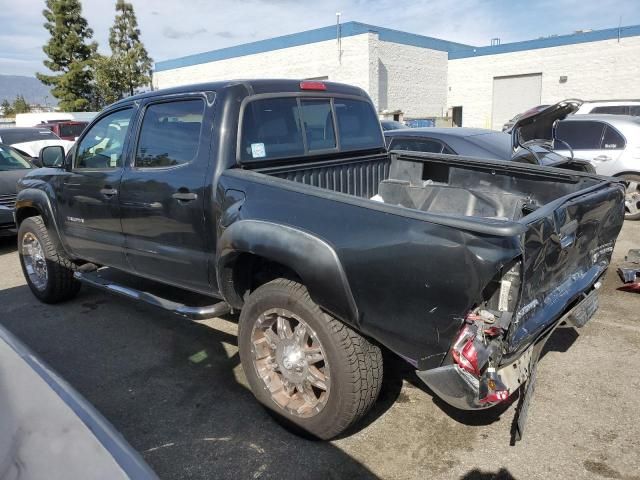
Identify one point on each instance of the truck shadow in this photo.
(8, 244)
(397, 371)
(173, 388)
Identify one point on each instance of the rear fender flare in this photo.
(310, 257)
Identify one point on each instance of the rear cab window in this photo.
(297, 126)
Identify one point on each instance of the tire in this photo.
(57, 284)
(632, 196)
(351, 365)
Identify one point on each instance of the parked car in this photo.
(509, 124)
(30, 140)
(612, 107)
(65, 129)
(391, 125)
(13, 167)
(50, 431)
(480, 143)
(612, 144)
(464, 269)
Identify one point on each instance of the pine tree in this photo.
(7, 109)
(69, 54)
(128, 52)
(20, 105)
(107, 85)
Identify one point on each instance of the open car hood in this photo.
(538, 126)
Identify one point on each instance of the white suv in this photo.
(611, 143)
(611, 107)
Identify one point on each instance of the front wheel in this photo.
(632, 197)
(307, 367)
(47, 271)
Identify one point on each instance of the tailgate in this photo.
(567, 247)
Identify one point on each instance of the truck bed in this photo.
(435, 184)
(444, 230)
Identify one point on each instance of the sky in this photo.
(173, 28)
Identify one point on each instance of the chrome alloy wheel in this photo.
(35, 262)
(632, 197)
(290, 360)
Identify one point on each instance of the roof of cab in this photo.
(253, 87)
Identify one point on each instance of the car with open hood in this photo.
(530, 141)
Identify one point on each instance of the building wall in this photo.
(318, 59)
(411, 79)
(397, 77)
(605, 69)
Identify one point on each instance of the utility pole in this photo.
(339, 37)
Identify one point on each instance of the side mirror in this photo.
(51, 156)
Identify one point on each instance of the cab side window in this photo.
(102, 147)
(170, 134)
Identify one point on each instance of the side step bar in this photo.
(191, 312)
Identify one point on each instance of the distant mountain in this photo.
(29, 87)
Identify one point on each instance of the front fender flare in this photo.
(32, 198)
(312, 258)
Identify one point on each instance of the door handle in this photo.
(185, 196)
(108, 191)
(602, 158)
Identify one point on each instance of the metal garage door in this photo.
(514, 94)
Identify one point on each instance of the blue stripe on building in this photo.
(349, 29)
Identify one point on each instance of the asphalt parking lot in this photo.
(177, 393)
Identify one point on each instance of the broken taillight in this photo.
(475, 351)
(464, 351)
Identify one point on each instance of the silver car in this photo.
(611, 143)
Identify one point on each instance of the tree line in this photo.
(81, 78)
(19, 105)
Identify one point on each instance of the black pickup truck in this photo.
(278, 198)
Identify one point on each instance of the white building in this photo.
(420, 77)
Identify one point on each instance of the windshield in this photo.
(20, 135)
(392, 125)
(496, 143)
(11, 160)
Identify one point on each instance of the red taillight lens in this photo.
(312, 85)
(464, 351)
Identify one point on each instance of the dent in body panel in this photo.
(397, 268)
(556, 273)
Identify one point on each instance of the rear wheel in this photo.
(48, 272)
(310, 369)
(632, 197)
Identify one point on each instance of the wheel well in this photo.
(246, 272)
(26, 212)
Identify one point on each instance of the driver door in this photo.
(89, 214)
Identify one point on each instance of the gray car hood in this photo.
(539, 127)
(9, 180)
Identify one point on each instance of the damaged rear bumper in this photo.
(461, 389)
